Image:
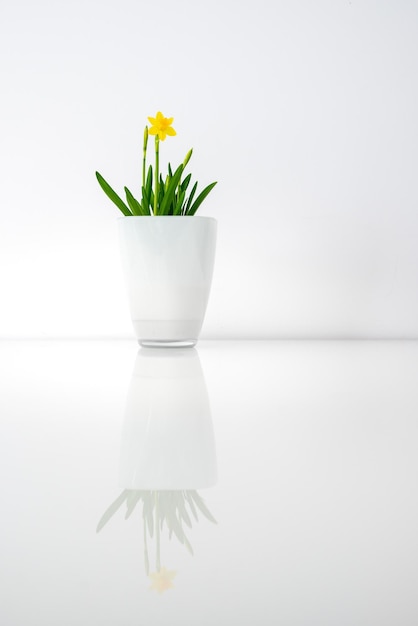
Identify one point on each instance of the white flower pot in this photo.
(168, 264)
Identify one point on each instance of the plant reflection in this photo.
(161, 509)
(167, 452)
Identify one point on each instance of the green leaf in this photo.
(189, 201)
(112, 195)
(134, 205)
(167, 181)
(179, 203)
(148, 184)
(185, 182)
(161, 193)
(145, 202)
(169, 194)
(151, 200)
(196, 204)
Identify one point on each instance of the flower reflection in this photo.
(162, 580)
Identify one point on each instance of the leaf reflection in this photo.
(159, 509)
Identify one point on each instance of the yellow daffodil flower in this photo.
(161, 126)
(162, 580)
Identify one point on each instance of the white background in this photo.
(305, 112)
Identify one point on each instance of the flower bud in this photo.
(187, 157)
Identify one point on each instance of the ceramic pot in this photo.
(168, 264)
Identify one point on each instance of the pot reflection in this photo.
(168, 440)
(167, 451)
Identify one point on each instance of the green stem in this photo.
(144, 155)
(157, 172)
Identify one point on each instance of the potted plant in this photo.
(167, 251)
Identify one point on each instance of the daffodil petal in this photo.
(161, 126)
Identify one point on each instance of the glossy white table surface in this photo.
(306, 453)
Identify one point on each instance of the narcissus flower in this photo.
(161, 126)
(175, 196)
(162, 580)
